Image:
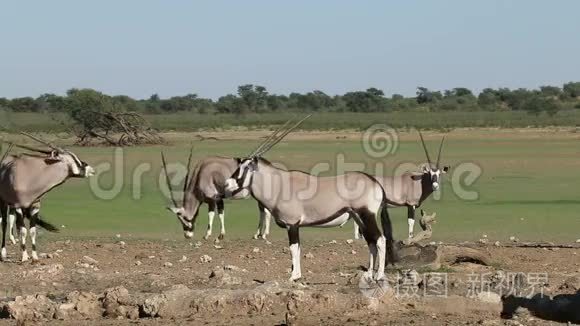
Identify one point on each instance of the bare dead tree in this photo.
(113, 128)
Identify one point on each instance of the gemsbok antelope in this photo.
(297, 199)
(412, 189)
(206, 184)
(26, 178)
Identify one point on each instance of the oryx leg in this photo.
(411, 219)
(267, 220)
(11, 219)
(221, 215)
(210, 214)
(33, 215)
(263, 223)
(23, 232)
(375, 240)
(3, 215)
(260, 222)
(294, 240)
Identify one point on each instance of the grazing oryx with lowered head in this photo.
(411, 189)
(297, 199)
(24, 179)
(206, 184)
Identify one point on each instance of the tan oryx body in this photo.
(297, 199)
(26, 178)
(410, 189)
(206, 184)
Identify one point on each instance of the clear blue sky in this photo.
(140, 47)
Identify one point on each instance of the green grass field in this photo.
(51, 122)
(528, 187)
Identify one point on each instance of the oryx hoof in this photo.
(205, 237)
(256, 236)
(221, 236)
(295, 277)
(13, 240)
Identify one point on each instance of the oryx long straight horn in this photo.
(269, 139)
(284, 134)
(168, 180)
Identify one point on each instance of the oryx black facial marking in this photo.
(332, 202)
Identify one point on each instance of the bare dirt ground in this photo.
(245, 282)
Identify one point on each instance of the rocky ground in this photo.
(245, 282)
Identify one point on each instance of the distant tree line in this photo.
(256, 99)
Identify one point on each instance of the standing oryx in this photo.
(24, 179)
(298, 199)
(411, 189)
(207, 185)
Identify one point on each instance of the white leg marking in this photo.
(11, 219)
(267, 219)
(381, 248)
(3, 254)
(33, 242)
(411, 222)
(296, 271)
(210, 215)
(372, 257)
(23, 232)
(223, 223)
(356, 231)
(260, 225)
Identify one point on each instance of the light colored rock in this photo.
(497, 244)
(333, 242)
(167, 264)
(205, 259)
(32, 307)
(43, 272)
(90, 260)
(122, 243)
(256, 250)
(221, 277)
(183, 259)
(350, 241)
(513, 239)
(138, 263)
(309, 255)
(489, 297)
(353, 252)
(117, 235)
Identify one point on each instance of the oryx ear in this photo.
(425, 168)
(254, 164)
(53, 158)
(416, 177)
(446, 168)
